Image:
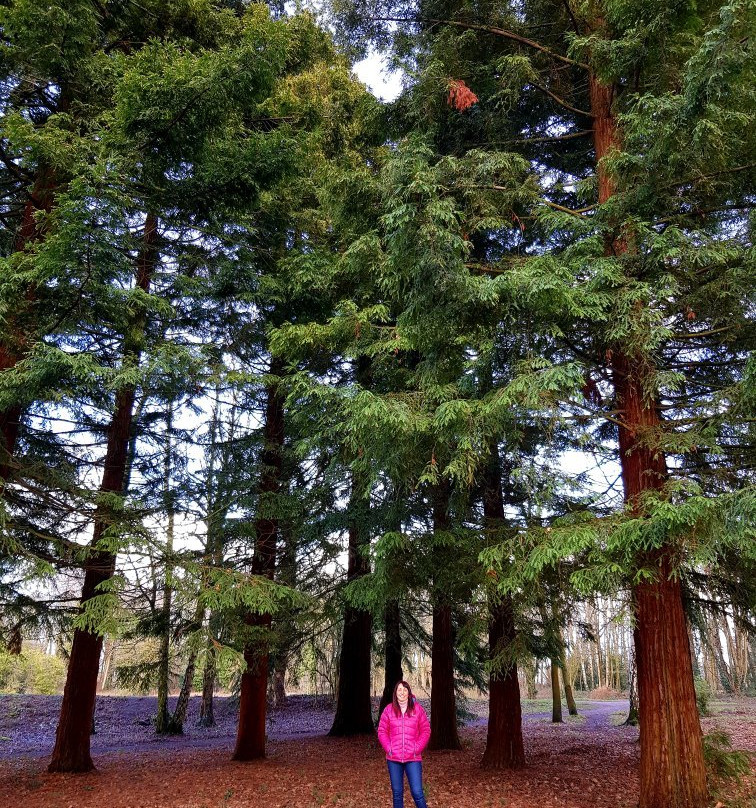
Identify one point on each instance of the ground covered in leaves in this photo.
(587, 761)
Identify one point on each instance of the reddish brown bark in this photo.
(15, 343)
(504, 744)
(71, 752)
(444, 734)
(556, 694)
(672, 771)
(353, 707)
(250, 735)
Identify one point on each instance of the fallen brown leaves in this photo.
(573, 765)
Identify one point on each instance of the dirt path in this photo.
(596, 715)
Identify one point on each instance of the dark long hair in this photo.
(410, 699)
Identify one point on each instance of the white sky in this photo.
(383, 83)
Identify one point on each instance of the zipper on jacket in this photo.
(403, 749)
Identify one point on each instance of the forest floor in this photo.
(590, 760)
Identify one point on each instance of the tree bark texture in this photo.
(207, 711)
(250, 736)
(15, 345)
(556, 694)
(175, 725)
(672, 772)
(569, 696)
(353, 707)
(632, 715)
(393, 672)
(444, 734)
(504, 744)
(163, 723)
(71, 752)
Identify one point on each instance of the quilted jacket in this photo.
(404, 736)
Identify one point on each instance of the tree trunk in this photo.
(175, 725)
(531, 672)
(632, 716)
(71, 751)
(353, 707)
(504, 744)
(444, 734)
(15, 641)
(568, 694)
(279, 679)
(672, 771)
(163, 722)
(16, 344)
(393, 672)
(556, 695)
(250, 736)
(207, 712)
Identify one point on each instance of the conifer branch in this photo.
(560, 101)
(489, 29)
(544, 138)
(573, 212)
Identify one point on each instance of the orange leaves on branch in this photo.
(460, 96)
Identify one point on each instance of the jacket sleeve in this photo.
(384, 730)
(423, 730)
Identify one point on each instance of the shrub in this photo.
(31, 672)
(604, 694)
(703, 696)
(722, 761)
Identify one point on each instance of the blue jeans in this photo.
(414, 770)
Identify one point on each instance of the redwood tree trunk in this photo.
(556, 694)
(504, 744)
(392, 653)
(14, 346)
(444, 734)
(71, 751)
(250, 736)
(353, 707)
(672, 772)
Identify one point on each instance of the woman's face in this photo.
(402, 694)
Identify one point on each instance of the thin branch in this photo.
(707, 333)
(560, 101)
(573, 212)
(545, 138)
(488, 29)
(575, 25)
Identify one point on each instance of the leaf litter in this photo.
(571, 765)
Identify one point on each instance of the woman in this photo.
(404, 731)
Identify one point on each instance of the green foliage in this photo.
(722, 761)
(31, 672)
(703, 696)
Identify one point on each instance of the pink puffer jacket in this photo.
(404, 736)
